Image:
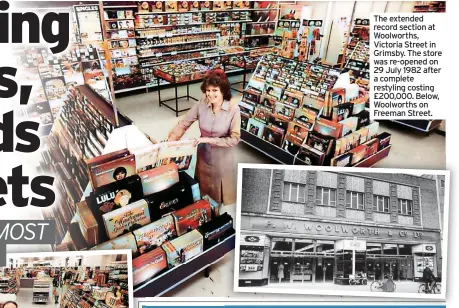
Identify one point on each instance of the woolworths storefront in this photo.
(276, 249)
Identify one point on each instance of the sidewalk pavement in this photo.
(401, 286)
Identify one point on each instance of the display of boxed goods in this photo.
(216, 230)
(320, 123)
(127, 218)
(192, 216)
(183, 248)
(148, 265)
(126, 241)
(171, 199)
(159, 178)
(155, 234)
(112, 197)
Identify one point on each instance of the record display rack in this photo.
(152, 33)
(317, 128)
(9, 285)
(165, 282)
(81, 131)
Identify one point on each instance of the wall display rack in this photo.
(145, 34)
(325, 126)
(81, 131)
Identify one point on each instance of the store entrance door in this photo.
(280, 269)
(324, 269)
(405, 268)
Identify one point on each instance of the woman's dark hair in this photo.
(217, 78)
(118, 171)
(10, 302)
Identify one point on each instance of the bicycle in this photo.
(383, 285)
(435, 288)
(355, 280)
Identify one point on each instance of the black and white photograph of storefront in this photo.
(341, 231)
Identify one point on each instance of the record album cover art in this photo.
(112, 171)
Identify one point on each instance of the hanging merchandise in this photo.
(309, 43)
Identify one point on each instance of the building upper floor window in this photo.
(405, 207)
(381, 204)
(326, 196)
(355, 200)
(294, 192)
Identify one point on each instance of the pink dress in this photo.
(215, 167)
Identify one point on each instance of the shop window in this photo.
(442, 184)
(294, 192)
(405, 250)
(405, 207)
(355, 200)
(326, 196)
(390, 249)
(381, 204)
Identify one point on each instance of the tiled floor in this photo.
(409, 150)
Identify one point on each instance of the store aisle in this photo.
(410, 149)
(24, 299)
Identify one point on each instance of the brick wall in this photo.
(255, 190)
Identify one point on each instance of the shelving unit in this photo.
(221, 28)
(41, 291)
(9, 285)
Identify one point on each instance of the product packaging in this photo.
(192, 216)
(216, 230)
(155, 234)
(159, 178)
(126, 241)
(148, 265)
(126, 219)
(183, 248)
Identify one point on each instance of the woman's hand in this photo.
(203, 140)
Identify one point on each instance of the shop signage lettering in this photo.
(339, 229)
(87, 8)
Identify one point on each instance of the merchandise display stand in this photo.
(178, 275)
(9, 285)
(292, 113)
(41, 290)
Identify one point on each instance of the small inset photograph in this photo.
(332, 231)
(67, 279)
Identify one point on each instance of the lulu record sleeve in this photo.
(192, 216)
(148, 265)
(159, 178)
(155, 234)
(111, 197)
(127, 219)
(183, 248)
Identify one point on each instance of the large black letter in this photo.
(32, 19)
(24, 135)
(62, 36)
(3, 191)
(10, 85)
(7, 128)
(40, 190)
(16, 181)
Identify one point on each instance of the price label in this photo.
(251, 268)
(173, 53)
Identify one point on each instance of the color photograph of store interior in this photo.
(66, 280)
(306, 231)
(118, 117)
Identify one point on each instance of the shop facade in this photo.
(337, 226)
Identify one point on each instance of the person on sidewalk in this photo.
(280, 272)
(220, 125)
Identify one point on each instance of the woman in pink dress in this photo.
(220, 126)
